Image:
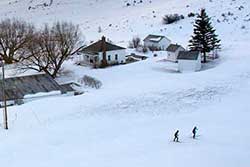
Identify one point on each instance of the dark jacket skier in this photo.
(194, 132)
(176, 136)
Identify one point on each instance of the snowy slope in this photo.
(130, 121)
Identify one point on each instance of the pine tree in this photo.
(204, 38)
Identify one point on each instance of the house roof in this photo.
(97, 47)
(188, 55)
(154, 38)
(173, 47)
(18, 87)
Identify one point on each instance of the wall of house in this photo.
(111, 56)
(163, 44)
(97, 59)
(189, 65)
(90, 58)
(198, 63)
(172, 56)
(8, 103)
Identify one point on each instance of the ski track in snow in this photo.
(157, 103)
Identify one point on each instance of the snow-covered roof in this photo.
(18, 87)
(154, 38)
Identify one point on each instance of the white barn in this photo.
(189, 61)
(173, 51)
(103, 53)
(157, 41)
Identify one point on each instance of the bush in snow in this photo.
(241, 7)
(171, 18)
(91, 82)
(191, 14)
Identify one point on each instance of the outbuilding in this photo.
(189, 61)
(157, 42)
(25, 88)
(173, 51)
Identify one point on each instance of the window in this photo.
(116, 57)
(109, 57)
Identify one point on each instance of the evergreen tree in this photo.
(204, 38)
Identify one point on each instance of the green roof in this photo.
(188, 55)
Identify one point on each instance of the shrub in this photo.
(172, 18)
(191, 14)
(91, 82)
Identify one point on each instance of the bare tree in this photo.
(14, 34)
(51, 2)
(50, 47)
(135, 42)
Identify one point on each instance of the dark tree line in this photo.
(43, 49)
(204, 39)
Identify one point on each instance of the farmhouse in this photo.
(173, 51)
(20, 89)
(103, 53)
(189, 61)
(157, 41)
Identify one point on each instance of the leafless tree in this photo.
(14, 34)
(51, 2)
(50, 47)
(135, 42)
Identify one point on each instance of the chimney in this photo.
(104, 54)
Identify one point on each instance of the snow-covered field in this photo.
(130, 121)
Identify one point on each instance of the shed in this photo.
(189, 61)
(22, 87)
(173, 51)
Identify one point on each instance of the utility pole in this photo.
(5, 113)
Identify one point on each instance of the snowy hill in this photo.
(130, 121)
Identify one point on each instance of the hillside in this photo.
(130, 121)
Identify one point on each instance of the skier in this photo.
(176, 136)
(194, 131)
